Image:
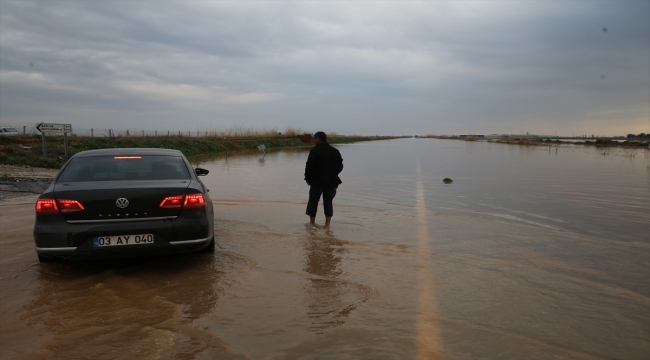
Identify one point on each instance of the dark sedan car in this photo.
(124, 203)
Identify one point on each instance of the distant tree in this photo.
(629, 136)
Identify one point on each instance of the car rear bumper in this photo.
(57, 239)
(172, 247)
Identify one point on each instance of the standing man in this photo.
(322, 175)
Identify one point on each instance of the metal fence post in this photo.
(44, 144)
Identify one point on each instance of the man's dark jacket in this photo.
(323, 166)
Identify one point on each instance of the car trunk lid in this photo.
(120, 200)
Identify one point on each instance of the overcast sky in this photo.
(351, 67)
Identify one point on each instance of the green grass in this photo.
(28, 150)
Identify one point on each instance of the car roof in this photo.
(129, 151)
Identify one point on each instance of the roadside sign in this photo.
(54, 128)
(58, 128)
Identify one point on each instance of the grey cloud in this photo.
(429, 66)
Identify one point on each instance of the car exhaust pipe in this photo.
(60, 258)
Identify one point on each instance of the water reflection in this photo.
(325, 293)
(251, 175)
(224, 157)
(126, 308)
(427, 339)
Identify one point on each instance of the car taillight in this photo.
(46, 206)
(194, 201)
(51, 206)
(172, 202)
(68, 206)
(186, 201)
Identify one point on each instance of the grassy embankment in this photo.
(28, 150)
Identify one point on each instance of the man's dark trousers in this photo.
(315, 192)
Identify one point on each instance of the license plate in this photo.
(122, 240)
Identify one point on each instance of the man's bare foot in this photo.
(312, 223)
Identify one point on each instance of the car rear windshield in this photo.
(112, 168)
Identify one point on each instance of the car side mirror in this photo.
(201, 172)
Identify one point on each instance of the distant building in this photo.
(463, 136)
(497, 136)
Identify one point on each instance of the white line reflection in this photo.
(427, 341)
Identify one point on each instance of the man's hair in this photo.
(321, 136)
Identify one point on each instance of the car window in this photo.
(112, 168)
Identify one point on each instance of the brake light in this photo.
(185, 201)
(68, 206)
(51, 206)
(194, 201)
(172, 202)
(46, 206)
(126, 157)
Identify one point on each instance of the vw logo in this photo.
(122, 203)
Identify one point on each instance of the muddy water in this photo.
(531, 253)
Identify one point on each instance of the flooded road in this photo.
(532, 252)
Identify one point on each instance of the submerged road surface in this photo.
(411, 269)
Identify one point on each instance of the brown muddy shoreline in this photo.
(597, 143)
(17, 181)
(550, 142)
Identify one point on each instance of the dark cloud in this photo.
(398, 67)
